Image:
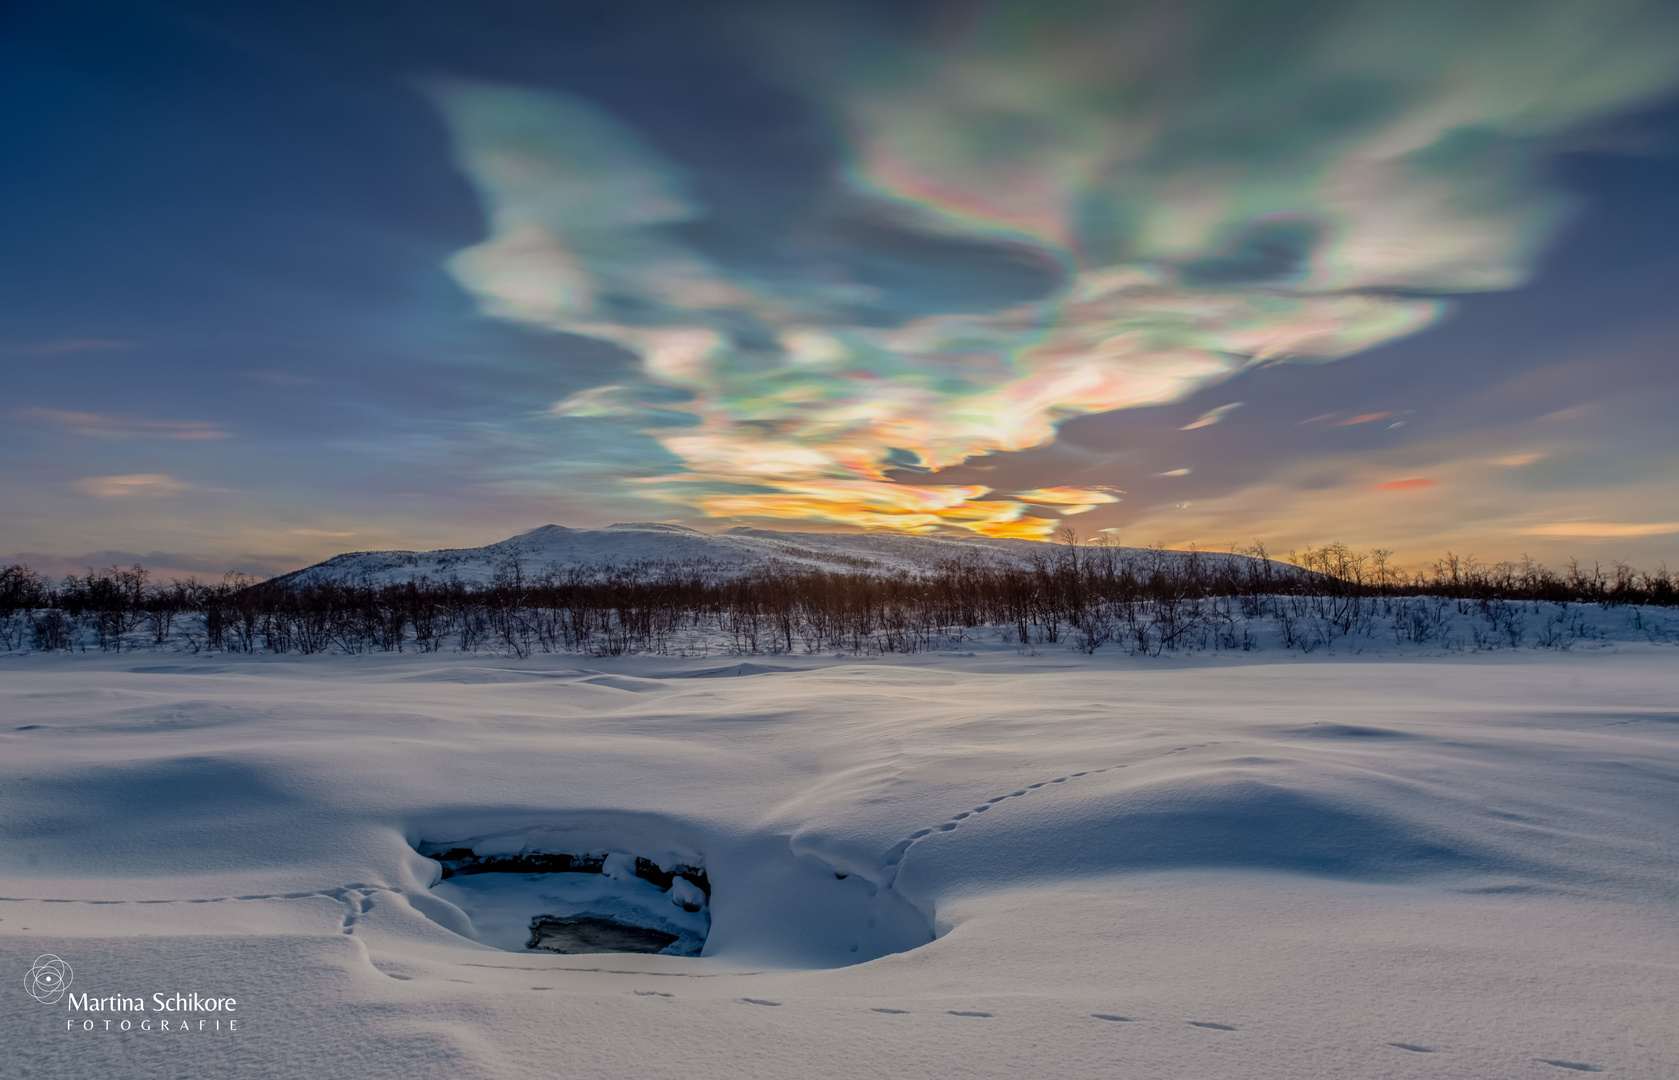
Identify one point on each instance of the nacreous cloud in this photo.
(1225, 184)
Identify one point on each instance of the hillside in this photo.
(653, 547)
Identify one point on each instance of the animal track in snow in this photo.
(393, 969)
(359, 903)
(896, 856)
(339, 893)
(357, 898)
(621, 971)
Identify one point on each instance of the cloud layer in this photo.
(1217, 186)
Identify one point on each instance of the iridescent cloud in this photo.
(119, 487)
(1222, 185)
(1212, 416)
(107, 426)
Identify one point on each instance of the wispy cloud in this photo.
(1604, 529)
(112, 426)
(1409, 483)
(133, 484)
(1212, 416)
(600, 401)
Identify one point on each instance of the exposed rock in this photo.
(460, 860)
(589, 934)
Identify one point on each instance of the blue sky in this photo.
(284, 281)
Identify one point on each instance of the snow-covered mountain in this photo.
(652, 546)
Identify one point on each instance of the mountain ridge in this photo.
(659, 546)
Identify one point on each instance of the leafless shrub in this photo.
(1086, 596)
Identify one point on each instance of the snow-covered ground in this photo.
(1242, 865)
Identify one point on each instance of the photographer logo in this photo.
(48, 979)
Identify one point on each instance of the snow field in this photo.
(1348, 868)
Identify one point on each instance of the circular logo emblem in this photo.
(48, 979)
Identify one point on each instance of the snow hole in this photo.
(524, 897)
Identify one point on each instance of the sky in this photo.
(282, 281)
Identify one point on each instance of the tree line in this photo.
(1070, 594)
